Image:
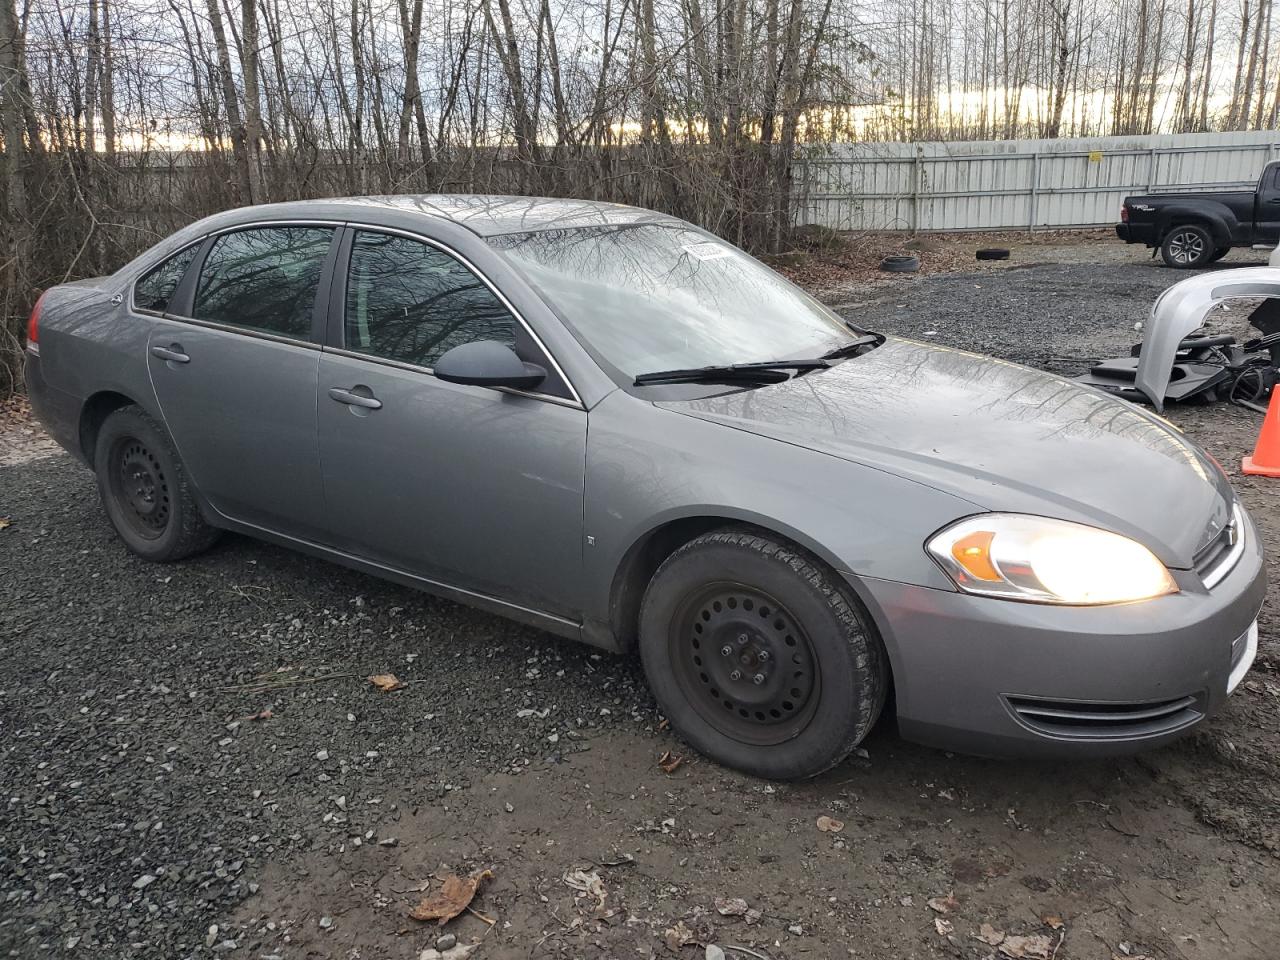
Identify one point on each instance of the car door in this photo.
(235, 373)
(1267, 222)
(476, 488)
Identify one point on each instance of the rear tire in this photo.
(145, 490)
(759, 656)
(1188, 247)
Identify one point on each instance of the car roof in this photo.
(483, 214)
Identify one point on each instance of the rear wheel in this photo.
(145, 490)
(759, 656)
(1187, 247)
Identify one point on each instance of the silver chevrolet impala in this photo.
(610, 424)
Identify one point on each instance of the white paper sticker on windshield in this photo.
(706, 251)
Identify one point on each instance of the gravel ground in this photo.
(192, 763)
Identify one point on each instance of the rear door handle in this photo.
(354, 399)
(173, 353)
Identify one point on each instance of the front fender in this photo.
(648, 467)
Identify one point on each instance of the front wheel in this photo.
(1188, 247)
(759, 656)
(145, 490)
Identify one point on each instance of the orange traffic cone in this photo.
(1265, 461)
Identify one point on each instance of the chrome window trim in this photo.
(1228, 563)
(246, 331)
(461, 258)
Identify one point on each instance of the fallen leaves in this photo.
(586, 882)
(989, 935)
(731, 906)
(944, 927)
(670, 762)
(943, 905)
(830, 824)
(454, 897)
(5, 522)
(386, 682)
(1052, 920)
(1035, 947)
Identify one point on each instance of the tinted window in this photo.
(408, 301)
(263, 279)
(156, 287)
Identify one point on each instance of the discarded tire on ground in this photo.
(900, 264)
(993, 253)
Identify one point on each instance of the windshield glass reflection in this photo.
(658, 297)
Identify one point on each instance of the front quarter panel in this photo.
(648, 466)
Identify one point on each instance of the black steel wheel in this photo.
(760, 656)
(745, 663)
(138, 484)
(144, 488)
(1188, 247)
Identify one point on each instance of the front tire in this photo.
(145, 491)
(759, 656)
(1188, 247)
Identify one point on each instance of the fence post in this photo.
(1151, 172)
(1035, 191)
(917, 183)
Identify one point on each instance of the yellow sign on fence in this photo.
(1095, 156)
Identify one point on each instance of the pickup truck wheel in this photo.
(1188, 247)
(759, 655)
(145, 491)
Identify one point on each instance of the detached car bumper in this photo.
(1002, 678)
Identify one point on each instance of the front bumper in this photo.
(1002, 678)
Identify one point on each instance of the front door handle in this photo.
(173, 353)
(354, 399)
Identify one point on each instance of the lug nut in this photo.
(743, 638)
(736, 675)
(758, 679)
(762, 656)
(726, 651)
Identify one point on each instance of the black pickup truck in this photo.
(1196, 229)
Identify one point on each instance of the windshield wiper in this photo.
(767, 371)
(855, 346)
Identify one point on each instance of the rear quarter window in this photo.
(156, 287)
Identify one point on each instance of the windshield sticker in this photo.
(706, 251)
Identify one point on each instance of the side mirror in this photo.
(487, 363)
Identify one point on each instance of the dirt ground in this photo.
(150, 808)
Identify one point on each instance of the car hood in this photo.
(1002, 436)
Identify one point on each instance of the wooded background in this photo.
(121, 120)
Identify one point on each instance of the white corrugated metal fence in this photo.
(1026, 184)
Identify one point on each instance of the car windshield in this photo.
(659, 297)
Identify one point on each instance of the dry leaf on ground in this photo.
(680, 935)
(670, 761)
(943, 904)
(944, 927)
(989, 934)
(586, 882)
(454, 897)
(386, 682)
(731, 906)
(1052, 920)
(1037, 947)
(830, 824)
(5, 522)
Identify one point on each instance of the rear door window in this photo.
(155, 288)
(409, 301)
(264, 279)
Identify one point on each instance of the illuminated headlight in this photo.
(1047, 561)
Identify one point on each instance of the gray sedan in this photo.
(612, 425)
